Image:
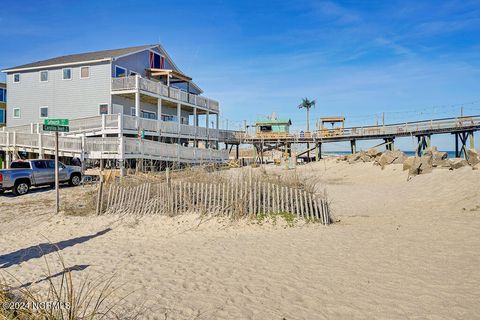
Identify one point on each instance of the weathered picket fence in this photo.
(232, 199)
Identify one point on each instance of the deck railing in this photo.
(129, 83)
(110, 124)
(109, 147)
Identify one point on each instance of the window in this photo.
(67, 74)
(169, 118)
(120, 72)
(2, 116)
(43, 76)
(148, 115)
(133, 73)
(157, 61)
(20, 165)
(103, 108)
(3, 95)
(16, 77)
(84, 72)
(51, 164)
(43, 112)
(40, 164)
(132, 111)
(16, 112)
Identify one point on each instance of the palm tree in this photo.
(307, 104)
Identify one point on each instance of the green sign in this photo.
(47, 127)
(56, 122)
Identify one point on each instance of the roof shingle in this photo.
(80, 57)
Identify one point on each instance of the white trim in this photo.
(81, 72)
(115, 71)
(57, 65)
(71, 73)
(40, 75)
(108, 108)
(19, 78)
(40, 112)
(134, 52)
(19, 113)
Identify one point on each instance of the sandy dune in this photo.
(401, 249)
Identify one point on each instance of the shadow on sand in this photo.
(77, 267)
(38, 251)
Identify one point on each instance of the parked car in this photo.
(24, 174)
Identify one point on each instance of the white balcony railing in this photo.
(129, 83)
(110, 147)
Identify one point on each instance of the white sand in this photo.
(401, 250)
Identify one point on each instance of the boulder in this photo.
(361, 156)
(401, 157)
(421, 165)
(444, 163)
(391, 157)
(352, 158)
(373, 153)
(472, 157)
(408, 163)
(457, 163)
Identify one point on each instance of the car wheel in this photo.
(75, 180)
(20, 188)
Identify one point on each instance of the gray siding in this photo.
(70, 99)
(137, 62)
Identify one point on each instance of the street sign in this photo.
(55, 128)
(56, 122)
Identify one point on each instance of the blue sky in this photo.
(409, 59)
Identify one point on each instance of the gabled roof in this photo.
(95, 56)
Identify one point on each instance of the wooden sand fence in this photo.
(233, 199)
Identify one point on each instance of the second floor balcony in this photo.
(133, 83)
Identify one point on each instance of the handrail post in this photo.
(40, 146)
(104, 122)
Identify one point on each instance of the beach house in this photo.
(124, 93)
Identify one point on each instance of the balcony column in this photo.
(207, 141)
(137, 99)
(195, 123)
(179, 119)
(159, 109)
(218, 127)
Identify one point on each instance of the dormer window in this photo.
(43, 76)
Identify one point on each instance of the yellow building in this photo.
(3, 104)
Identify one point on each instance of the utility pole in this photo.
(461, 111)
(57, 197)
(383, 118)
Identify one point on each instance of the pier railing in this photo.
(157, 88)
(423, 127)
